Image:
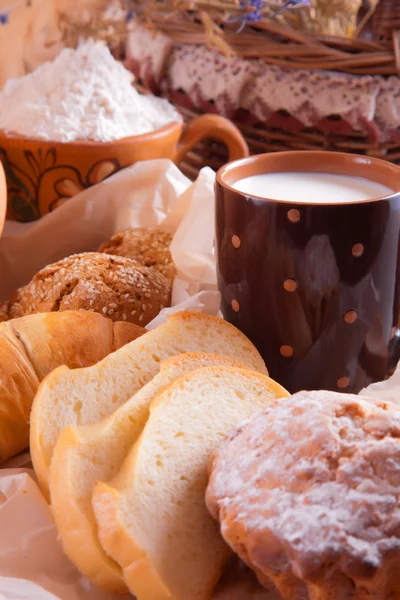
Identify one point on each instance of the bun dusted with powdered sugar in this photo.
(308, 495)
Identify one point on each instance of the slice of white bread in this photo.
(84, 455)
(86, 396)
(152, 518)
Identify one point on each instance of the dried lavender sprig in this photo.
(5, 14)
(293, 4)
(253, 11)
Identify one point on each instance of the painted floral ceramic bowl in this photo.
(41, 175)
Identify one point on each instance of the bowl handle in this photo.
(214, 127)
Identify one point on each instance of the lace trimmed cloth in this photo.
(200, 78)
(146, 55)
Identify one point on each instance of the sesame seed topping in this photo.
(88, 278)
(140, 317)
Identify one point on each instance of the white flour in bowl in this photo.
(84, 94)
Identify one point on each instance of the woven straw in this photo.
(259, 140)
(278, 44)
(281, 41)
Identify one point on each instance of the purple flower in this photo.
(252, 11)
(129, 15)
(292, 4)
(5, 14)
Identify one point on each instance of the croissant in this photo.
(32, 346)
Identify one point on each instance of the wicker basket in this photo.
(375, 52)
(278, 44)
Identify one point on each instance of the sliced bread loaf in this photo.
(86, 396)
(84, 455)
(152, 518)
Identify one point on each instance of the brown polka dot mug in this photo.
(313, 283)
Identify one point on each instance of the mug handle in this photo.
(214, 127)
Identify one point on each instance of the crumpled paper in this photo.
(31, 557)
(388, 390)
(32, 563)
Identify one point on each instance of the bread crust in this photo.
(140, 570)
(115, 379)
(114, 286)
(124, 332)
(149, 247)
(18, 386)
(79, 461)
(78, 535)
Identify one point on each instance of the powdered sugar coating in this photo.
(312, 486)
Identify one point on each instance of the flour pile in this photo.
(84, 94)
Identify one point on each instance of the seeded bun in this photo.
(149, 247)
(116, 287)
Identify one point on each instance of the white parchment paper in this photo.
(385, 390)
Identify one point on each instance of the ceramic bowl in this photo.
(41, 175)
